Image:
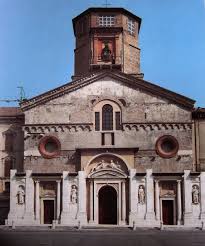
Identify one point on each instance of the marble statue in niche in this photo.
(141, 194)
(21, 195)
(74, 194)
(195, 194)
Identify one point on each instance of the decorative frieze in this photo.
(144, 159)
(41, 130)
(156, 126)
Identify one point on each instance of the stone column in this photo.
(157, 212)
(82, 215)
(150, 216)
(12, 216)
(133, 196)
(179, 202)
(95, 203)
(202, 195)
(123, 203)
(188, 216)
(91, 201)
(119, 197)
(29, 199)
(65, 198)
(37, 202)
(58, 198)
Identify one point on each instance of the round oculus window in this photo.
(167, 146)
(49, 147)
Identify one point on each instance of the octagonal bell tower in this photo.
(106, 38)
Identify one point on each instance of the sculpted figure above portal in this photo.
(103, 165)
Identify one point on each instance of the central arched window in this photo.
(107, 117)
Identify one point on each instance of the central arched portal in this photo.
(107, 205)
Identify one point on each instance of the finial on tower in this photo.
(106, 4)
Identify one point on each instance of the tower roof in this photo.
(120, 10)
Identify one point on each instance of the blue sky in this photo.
(37, 42)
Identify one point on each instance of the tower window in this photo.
(107, 21)
(131, 26)
(107, 117)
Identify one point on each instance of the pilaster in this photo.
(202, 200)
(12, 216)
(65, 216)
(150, 215)
(188, 215)
(133, 197)
(37, 202)
(29, 199)
(58, 198)
(179, 205)
(157, 207)
(82, 214)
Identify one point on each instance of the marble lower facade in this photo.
(107, 192)
(107, 195)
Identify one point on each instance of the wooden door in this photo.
(107, 205)
(168, 212)
(48, 211)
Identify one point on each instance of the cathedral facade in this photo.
(107, 148)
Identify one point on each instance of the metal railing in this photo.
(108, 60)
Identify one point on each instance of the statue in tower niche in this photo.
(106, 54)
(195, 194)
(141, 194)
(21, 195)
(74, 195)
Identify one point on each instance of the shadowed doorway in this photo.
(107, 205)
(168, 212)
(48, 211)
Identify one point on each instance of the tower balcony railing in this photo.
(109, 60)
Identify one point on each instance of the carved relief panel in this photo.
(48, 189)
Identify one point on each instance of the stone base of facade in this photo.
(82, 218)
(136, 220)
(67, 219)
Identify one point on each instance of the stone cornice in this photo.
(150, 126)
(42, 129)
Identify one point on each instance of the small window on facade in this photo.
(106, 21)
(117, 121)
(9, 142)
(7, 187)
(97, 121)
(131, 26)
(107, 117)
(7, 167)
(167, 146)
(49, 147)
